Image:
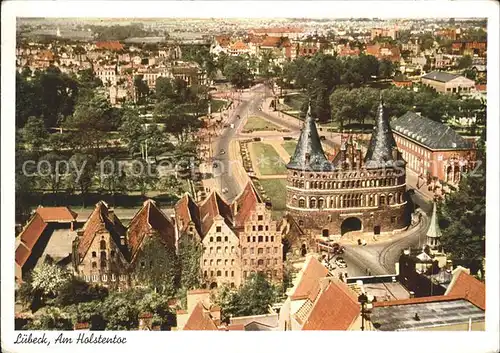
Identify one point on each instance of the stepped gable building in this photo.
(351, 193)
(100, 253)
(106, 252)
(238, 239)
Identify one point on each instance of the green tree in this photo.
(238, 71)
(253, 298)
(88, 79)
(132, 130)
(77, 291)
(90, 122)
(157, 267)
(34, 134)
(464, 62)
(190, 251)
(142, 176)
(463, 217)
(141, 89)
(81, 173)
(386, 69)
(52, 171)
(48, 279)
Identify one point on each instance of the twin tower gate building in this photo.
(352, 192)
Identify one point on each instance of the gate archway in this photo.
(350, 224)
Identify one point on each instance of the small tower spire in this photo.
(434, 232)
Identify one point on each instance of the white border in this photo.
(243, 341)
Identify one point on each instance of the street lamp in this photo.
(365, 301)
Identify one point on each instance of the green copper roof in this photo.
(434, 231)
(309, 155)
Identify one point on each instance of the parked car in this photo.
(340, 262)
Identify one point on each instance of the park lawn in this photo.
(276, 191)
(289, 146)
(267, 160)
(255, 123)
(295, 100)
(217, 105)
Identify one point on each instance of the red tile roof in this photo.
(213, 206)
(468, 287)
(481, 88)
(186, 213)
(109, 45)
(244, 204)
(336, 309)
(22, 254)
(57, 214)
(223, 41)
(81, 325)
(275, 42)
(239, 45)
(100, 220)
(277, 30)
(35, 227)
(199, 320)
(309, 286)
(33, 230)
(147, 221)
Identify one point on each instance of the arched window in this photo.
(226, 238)
(211, 239)
(321, 203)
(232, 249)
(382, 200)
(389, 199)
(94, 254)
(225, 262)
(103, 255)
(219, 273)
(103, 244)
(312, 203)
(302, 203)
(260, 262)
(226, 249)
(218, 239)
(205, 274)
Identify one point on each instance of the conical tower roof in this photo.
(309, 154)
(434, 231)
(379, 153)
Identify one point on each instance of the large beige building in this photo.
(238, 239)
(444, 82)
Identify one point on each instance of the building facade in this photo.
(433, 150)
(351, 193)
(444, 82)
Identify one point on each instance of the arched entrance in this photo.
(213, 285)
(303, 250)
(350, 224)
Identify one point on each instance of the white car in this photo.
(340, 263)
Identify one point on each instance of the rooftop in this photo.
(440, 311)
(430, 133)
(309, 154)
(440, 76)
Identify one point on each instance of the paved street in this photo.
(376, 258)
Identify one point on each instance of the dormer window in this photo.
(308, 157)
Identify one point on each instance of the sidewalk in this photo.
(412, 181)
